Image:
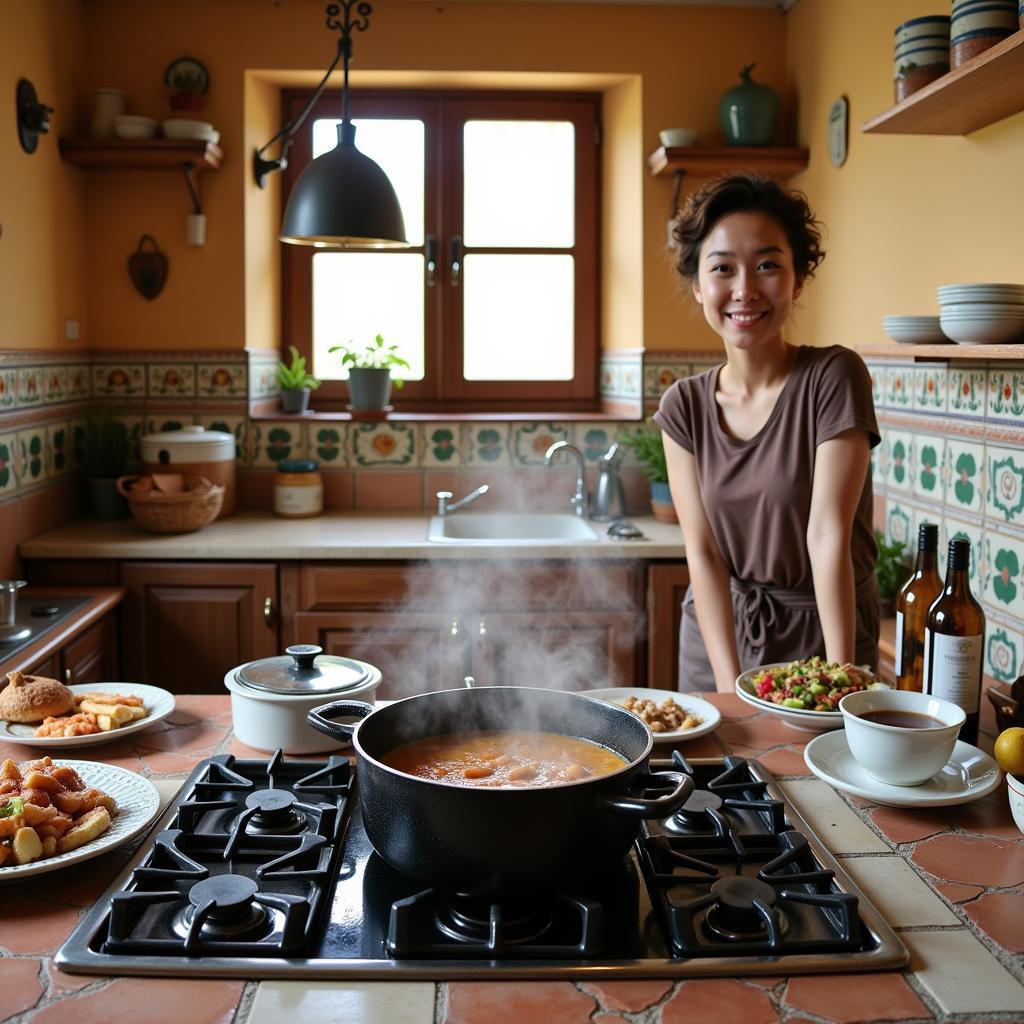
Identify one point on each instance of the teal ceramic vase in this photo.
(749, 112)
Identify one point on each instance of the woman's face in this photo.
(746, 283)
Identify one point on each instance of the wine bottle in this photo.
(954, 641)
(912, 604)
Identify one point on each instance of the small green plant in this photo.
(295, 375)
(105, 446)
(649, 449)
(892, 567)
(378, 355)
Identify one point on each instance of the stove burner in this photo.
(276, 813)
(695, 810)
(13, 633)
(222, 908)
(471, 920)
(743, 908)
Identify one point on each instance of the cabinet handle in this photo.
(455, 627)
(482, 627)
(67, 675)
(456, 261)
(431, 254)
(268, 612)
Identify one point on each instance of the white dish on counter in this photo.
(968, 775)
(138, 803)
(710, 715)
(809, 721)
(159, 702)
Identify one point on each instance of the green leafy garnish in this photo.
(14, 806)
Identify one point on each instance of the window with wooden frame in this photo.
(495, 303)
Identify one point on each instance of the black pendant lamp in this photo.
(343, 199)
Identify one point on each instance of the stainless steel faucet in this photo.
(579, 499)
(446, 505)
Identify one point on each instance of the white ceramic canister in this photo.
(193, 450)
(298, 489)
(109, 103)
(270, 698)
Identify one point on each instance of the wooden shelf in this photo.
(984, 90)
(703, 162)
(933, 352)
(141, 154)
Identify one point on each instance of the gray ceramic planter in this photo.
(369, 389)
(295, 399)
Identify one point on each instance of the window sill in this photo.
(272, 411)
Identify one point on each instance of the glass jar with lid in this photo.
(298, 489)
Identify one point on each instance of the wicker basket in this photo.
(195, 507)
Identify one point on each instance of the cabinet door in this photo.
(666, 588)
(92, 657)
(580, 650)
(416, 652)
(187, 624)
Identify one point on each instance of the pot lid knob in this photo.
(304, 655)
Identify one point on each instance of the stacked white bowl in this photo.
(982, 314)
(914, 330)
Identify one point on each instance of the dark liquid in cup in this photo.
(902, 719)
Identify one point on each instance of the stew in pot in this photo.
(506, 758)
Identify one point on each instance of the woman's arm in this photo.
(709, 576)
(840, 471)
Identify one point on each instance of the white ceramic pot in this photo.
(270, 698)
(194, 450)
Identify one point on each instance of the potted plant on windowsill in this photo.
(646, 444)
(104, 453)
(369, 374)
(296, 383)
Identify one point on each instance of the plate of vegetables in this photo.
(804, 694)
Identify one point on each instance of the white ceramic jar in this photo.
(270, 698)
(109, 103)
(194, 450)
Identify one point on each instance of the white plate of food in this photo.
(690, 706)
(138, 803)
(834, 680)
(157, 703)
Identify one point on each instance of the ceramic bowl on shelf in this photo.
(186, 128)
(972, 328)
(676, 137)
(914, 330)
(962, 294)
(132, 126)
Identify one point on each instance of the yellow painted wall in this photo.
(42, 238)
(906, 213)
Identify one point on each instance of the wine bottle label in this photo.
(899, 644)
(952, 668)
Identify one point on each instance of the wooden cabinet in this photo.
(92, 657)
(187, 623)
(666, 588)
(428, 625)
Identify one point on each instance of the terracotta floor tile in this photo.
(966, 859)
(785, 762)
(609, 1018)
(120, 753)
(1001, 915)
(199, 707)
(31, 925)
(17, 752)
(82, 888)
(61, 983)
(732, 707)
(499, 1002)
(763, 732)
(151, 1001)
(631, 996)
(846, 998)
(956, 893)
(907, 826)
(719, 1002)
(989, 816)
(20, 987)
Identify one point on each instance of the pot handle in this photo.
(320, 718)
(658, 806)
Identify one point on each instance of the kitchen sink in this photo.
(510, 528)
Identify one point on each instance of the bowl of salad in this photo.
(805, 694)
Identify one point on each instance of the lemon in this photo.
(1009, 750)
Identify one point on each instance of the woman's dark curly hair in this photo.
(738, 193)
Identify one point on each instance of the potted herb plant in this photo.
(649, 449)
(104, 451)
(369, 372)
(296, 383)
(892, 568)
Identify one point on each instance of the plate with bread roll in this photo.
(41, 712)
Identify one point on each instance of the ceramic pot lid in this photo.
(302, 669)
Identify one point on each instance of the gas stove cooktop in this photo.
(263, 869)
(35, 616)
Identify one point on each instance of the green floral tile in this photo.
(276, 441)
(929, 459)
(164, 422)
(1005, 396)
(263, 379)
(880, 458)
(531, 441)
(112, 380)
(237, 426)
(441, 444)
(622, 378)
(30, 385)
(8, 388)
(967, 385)
(1005, 497)
(1003, 585)
(383, 444)
(32, 463)
(877, 374)
(659, 377)
(594, 439)
(78, 382)
(897, 523)
(487, 444)
(213, 381)
(930, 388)
(900, 460)
(899, 387)
(965, 461)
(951, 530)
(1004, 651)
(171, 380)
(327, 444)
(8, 459)
(58, 440)
(55, 383)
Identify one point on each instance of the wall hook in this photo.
(33, 116)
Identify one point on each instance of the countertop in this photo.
(949, 880)
(333, 535)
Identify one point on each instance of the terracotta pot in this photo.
(661, 503)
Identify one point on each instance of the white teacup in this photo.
(900, 754)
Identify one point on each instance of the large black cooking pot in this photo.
(484, 841)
